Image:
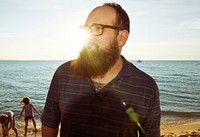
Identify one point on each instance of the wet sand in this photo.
(20, 128)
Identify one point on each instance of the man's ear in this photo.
(122, 37)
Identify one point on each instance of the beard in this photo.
(96, 61)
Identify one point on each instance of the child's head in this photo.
(26, 100)
(3, 118)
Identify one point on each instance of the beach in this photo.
(180, 126)
(171, 126)
(20, 128)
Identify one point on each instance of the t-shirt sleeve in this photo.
(151, 124)
(51, 113)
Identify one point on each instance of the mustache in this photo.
(95, 60)
(92, 49)
(90, 46)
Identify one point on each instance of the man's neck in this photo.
(111, 73)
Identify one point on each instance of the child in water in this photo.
(28, 108)
(7, 119)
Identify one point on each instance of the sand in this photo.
(180, 126)
(171, 126)
(20, 127)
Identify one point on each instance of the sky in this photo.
(49, 29)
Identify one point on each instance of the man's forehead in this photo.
(101, 15)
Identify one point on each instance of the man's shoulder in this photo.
(136, 78)
(65, 67)
(134, 72)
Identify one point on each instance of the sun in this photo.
(76, 42)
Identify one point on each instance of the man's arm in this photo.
(151, 124)
(51, 114)
(49, 132)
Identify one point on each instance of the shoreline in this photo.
(171, 126)
(20, 129)
(180, 124)
(180, 127)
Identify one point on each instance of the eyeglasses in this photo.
(97, 29)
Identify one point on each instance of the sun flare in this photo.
(77, 40)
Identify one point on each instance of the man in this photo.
(8, 121)
(101, 94)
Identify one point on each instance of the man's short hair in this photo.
(122, 19)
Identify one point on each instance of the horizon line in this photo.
(127, 59)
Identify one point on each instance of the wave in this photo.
(179, 75)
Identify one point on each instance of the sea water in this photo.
(178, 82)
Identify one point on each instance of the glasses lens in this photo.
(92, 30)
(96, 29)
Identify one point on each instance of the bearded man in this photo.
(101, 94)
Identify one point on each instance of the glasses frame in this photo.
(102, 28)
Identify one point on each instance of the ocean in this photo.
(178, 82)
